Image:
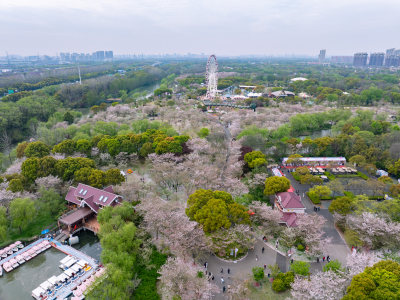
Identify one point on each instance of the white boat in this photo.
(62, 278)
(82, 263)
(64, 261)
(69, 263)
(7, 267)
(69, 272)
(1, 271)
(19, 244)
(39, 293)
(47, 286)
(20, 259)
(53, 280)
(13, 263)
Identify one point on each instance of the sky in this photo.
(223, 27)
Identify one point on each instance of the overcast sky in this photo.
(224, 27)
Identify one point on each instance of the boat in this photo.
(9, 251)
(32, 253)
(77, 269)
(20, 259)
(26, 256)
(82, 263)
(64, 261)
(13, 263)
(69, 263)
(39, 293)
(7, 267)
(53, 280)
(47, 287)
(19, 244)
(87, 268)
(37, 249)
(1, 271)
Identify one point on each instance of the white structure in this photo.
(254, 95)
(212, 77)
(308, 161)
(298, 79)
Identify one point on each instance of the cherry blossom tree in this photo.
(321, 286)
(266, 216)
(180, 279)
(375, 231)
(49, 182)
(358, 261)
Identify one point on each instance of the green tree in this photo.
(22, 212)
(203, 132)
(255, 159)
(66, 168)
(381, 281)
(37, 149)
(300, 268)
(50, 202)
(66, 147)
(21, 149)
(258, 273)
(3, 223)
(342, 205)
(276, 184)
(319, 192)
(113, 176)
(83, 146)
(47, 166)
(68, 117)
(333, 265)
(15, 185)
(30, 168)
(213, 215)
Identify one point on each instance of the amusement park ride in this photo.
(212, 77)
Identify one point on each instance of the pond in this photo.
(19, 283)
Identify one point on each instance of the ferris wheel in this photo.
(212, 77)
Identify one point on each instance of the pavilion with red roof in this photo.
(85, 202)
(290, 205)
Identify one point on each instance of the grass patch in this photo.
(358, 175)
(147, 289)
(351, 238)
(265, 292)
(314, 200)
(329, 175)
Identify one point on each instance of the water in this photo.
(19, 283)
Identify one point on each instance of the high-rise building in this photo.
(109, 55)
(390, 51)
(98, 55)
(360, 59)
(376, 59)
(392, 60)
(321, 56)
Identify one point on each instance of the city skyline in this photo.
(227, 28)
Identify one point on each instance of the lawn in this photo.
(265, 292)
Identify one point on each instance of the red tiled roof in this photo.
(289, 200)
(109, 189)
(91, 204)
(289, 219)
(102, 197)
(71, 196)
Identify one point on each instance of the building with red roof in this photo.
(290, 205)
(86, 201)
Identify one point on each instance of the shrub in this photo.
(15, 186)
(278, 285)
(258, 273)
(349, 194)
(314, 199)
(300, 247)
(300, 268)
(362, 175)
(329, 175)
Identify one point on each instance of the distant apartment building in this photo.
(376, 59)
(109, 55)
(360, 59)
(392, 61)
(342, 60)
(98, 55)
(321, 56)
(390, 51)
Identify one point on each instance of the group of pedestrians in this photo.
(328, 259)
(211, 276)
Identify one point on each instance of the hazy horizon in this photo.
(225, 27)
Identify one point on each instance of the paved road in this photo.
(338, 248)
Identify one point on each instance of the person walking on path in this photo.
(256, 257)
(222, 280)
(323, 259)
(229, 271)
(223, 289)
(317, 259)
(262, 250)
(265, 267)
(222, 270)
(328, 259)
